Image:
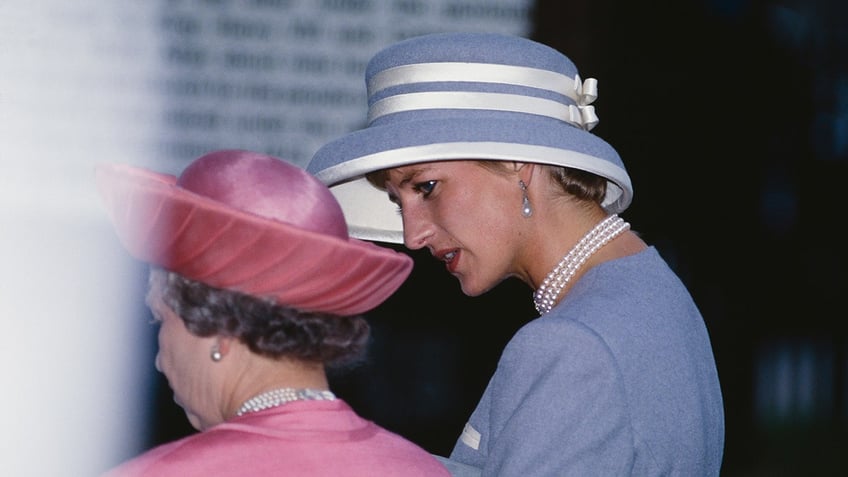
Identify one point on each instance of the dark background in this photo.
(732, 118)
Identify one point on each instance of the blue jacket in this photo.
(618, 379)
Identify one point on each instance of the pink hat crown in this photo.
(252, 223)
(265, 186)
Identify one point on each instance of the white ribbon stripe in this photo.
(579, 116)
(583, 93)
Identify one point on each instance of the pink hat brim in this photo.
(210, 242)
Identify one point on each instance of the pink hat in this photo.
(253, 223)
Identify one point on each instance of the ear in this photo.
(224, 344)
(525, 171)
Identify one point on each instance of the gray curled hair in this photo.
(267, 328)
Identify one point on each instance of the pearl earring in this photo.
(216, 354)
(526, 210)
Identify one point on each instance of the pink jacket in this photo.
(314, 438)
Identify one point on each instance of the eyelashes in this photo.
(425, 187)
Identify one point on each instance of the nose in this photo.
(156, 363)
(416, 230)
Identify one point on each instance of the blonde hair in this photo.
(582, 185)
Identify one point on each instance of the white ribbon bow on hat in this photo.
(585, 93)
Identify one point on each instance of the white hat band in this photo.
(580, 116)
(579, 91)
(582, 93)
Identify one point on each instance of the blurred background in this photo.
(731, 116)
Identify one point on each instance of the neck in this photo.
(260, 374)
(280, 396)
(559, 278)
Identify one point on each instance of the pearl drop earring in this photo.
(216, 354)
(526, 209)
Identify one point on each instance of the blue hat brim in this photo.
(343, 163)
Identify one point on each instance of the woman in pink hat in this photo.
(257, 288)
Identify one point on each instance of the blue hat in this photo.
(451, 96)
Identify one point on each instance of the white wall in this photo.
(155, 84)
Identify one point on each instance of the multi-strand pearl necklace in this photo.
(278, 397)
(545, 297)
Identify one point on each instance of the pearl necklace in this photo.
(545, 297)
(278, 397)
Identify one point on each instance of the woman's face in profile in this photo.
(183, 358)
(468, 216)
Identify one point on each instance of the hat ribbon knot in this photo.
(586, 93)
(584, 116)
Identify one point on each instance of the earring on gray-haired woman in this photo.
(216, 354)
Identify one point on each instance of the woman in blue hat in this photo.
(478, 149)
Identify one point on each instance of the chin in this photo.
(195, 421)
(472, 289)
(469, 289)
